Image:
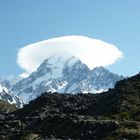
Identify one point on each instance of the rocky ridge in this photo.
(10, 97)
(64, 74)
(111, 115)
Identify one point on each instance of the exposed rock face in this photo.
(64, 74)
(10, 97)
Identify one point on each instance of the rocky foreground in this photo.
(113, 115)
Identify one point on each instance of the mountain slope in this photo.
(125, 97)
(9, 97)
(6, 107)
(9, 81)
(113, 115)
(64, 74)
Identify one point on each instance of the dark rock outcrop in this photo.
(113, 115)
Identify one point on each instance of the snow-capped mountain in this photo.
(9, 81)
(10, 97)
(64, 74)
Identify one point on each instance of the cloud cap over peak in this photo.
(92, 52)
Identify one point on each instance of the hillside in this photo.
(111, 115)
(7, 107)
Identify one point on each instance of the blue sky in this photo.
(28, 21)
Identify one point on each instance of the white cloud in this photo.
(92, 52)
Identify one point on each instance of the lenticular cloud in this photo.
(92, 52)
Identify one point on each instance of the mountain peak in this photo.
(64, 74)
(54, 65)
